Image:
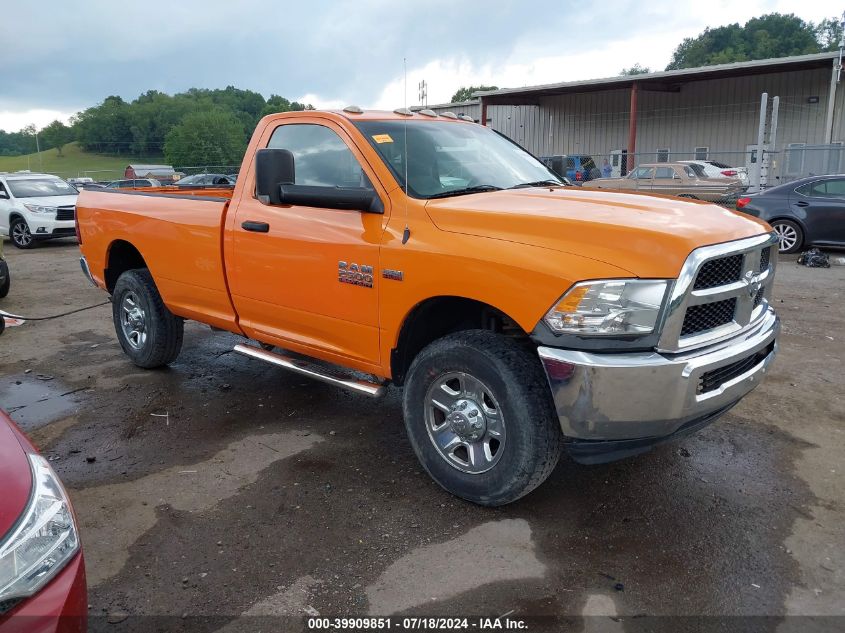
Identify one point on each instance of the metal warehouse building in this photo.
(711, 112)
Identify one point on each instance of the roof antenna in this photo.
(406, 234)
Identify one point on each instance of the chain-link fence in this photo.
(704, 174)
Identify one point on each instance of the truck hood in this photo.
(50, 201)
(16, 476)
(647, 235)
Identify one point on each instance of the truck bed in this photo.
(178, 233)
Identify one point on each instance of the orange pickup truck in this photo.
(523, 317)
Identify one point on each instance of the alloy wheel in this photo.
(133, 320)
(21, 235)
(465, 422)
(787, 236)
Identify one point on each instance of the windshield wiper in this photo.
(538, 183)
(465, 190)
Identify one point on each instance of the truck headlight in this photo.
(45, 538)
(37, 208)
(610, 307)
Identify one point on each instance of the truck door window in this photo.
(320, 156)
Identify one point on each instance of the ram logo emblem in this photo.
(355, 274)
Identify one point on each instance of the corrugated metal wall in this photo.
(721, 114)
(473, 110)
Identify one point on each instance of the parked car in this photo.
(133, 183)
(806, 212)
(36, 207)
(713, 169)
(677, 179)
(80, 182)
(522, 317)
(205, 180)
(576, 167)
(5, 275)
(42, 572)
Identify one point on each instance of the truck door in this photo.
(307, 278)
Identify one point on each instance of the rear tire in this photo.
(790, 236)
(20, 234)
(149, 333)
(4, 287)
(481, 378)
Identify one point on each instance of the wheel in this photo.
(20, 234)
(790, 235)
(149, 333)
(4, 287)
(480, 417)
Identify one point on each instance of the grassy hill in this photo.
(75, 162)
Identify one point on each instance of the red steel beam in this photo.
(632, 129)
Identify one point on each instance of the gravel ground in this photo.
(221, 489)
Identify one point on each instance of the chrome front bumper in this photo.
(612, 397)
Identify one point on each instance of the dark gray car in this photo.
(806, 212)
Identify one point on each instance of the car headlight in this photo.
(45, 538)
(37, 208)
(610, 307)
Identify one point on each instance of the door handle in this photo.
(256, 227)
(801, 203)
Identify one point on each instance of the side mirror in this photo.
(273, 167)
(349, 198)
(4, 195)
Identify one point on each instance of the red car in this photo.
(42, 573)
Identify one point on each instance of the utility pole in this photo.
(38, 149)
(423, 93)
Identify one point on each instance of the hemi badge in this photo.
(395, 275)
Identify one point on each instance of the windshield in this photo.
(449, 159)
(38, 188)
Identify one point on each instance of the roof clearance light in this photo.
(449, 115)
(353, 109)
(403, 112)
(465, 117)
(428, 112)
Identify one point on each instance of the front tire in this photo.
(20, 234)
(149, 333)
(790, 236)
(480, 418)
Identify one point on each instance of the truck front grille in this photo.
(722, 290)
(708, 316)
(715, 378)
(65, 213)
(719, 272)
(765, 257)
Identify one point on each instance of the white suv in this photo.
(36, 207)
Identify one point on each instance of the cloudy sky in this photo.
(60, 56)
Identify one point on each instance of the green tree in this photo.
(279, 104)
(465, 94)
(57, 135)
(767, 36)
(829, 34)
(636, 69)
(210, 137)
(105, 128)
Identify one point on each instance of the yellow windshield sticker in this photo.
(382, 138)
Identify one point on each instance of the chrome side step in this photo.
(374, 390)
